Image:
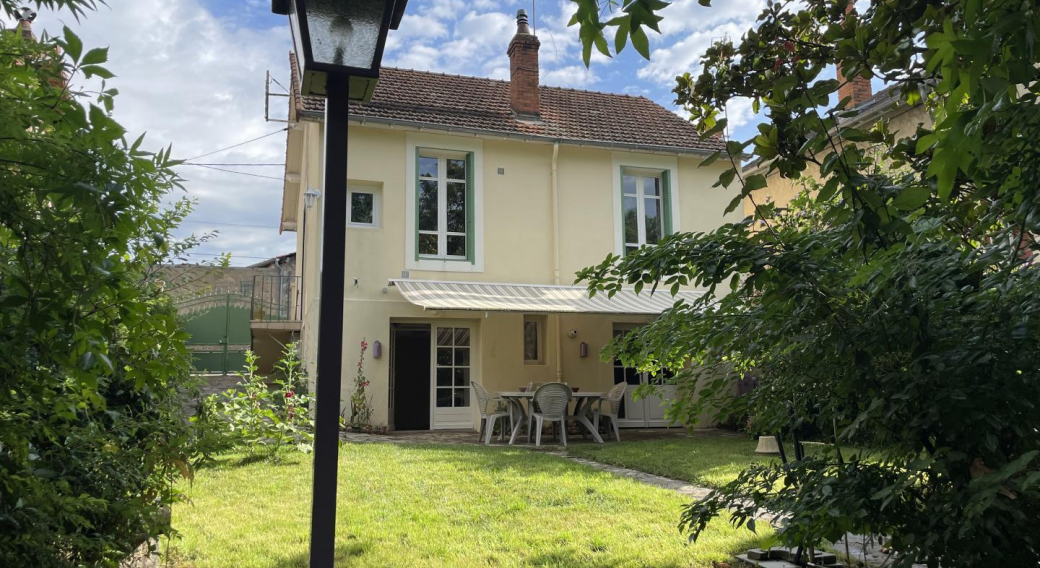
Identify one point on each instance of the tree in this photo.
(91, 430)
(897, 312)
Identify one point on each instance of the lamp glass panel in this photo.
(345, 32)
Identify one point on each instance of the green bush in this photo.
(256, 416)
(896, 310)
(92, 435)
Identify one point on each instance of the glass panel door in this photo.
(657, 404)
(632, 412)
(648, 411)
(451, 376)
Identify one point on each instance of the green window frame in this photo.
(444, 205)
(646, 207)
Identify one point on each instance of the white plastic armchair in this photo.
(613, 400)
(488, 416)
(550, 401)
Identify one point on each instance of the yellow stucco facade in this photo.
(515, 242)
(902, 121)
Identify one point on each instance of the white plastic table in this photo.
(582, 408)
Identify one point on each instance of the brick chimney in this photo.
(25, 19)
(858, 89)
(523, 69)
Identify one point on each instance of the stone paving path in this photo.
(680, 487)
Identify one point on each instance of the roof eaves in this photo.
(534, 137)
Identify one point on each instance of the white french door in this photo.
(452, 368)
(648, 411)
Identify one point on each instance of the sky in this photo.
(191, 73)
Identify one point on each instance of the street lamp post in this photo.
(339, 47)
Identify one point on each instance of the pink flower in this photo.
(289, 394)
(364, 345)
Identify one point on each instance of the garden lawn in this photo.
(440, 506)
(701, 459)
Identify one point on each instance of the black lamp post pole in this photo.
(330, 327)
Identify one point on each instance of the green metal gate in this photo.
(219, 329)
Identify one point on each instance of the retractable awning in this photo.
(537, 298)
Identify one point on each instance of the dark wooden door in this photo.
(411, 376)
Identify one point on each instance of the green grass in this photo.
(707, 461)
(440, 506)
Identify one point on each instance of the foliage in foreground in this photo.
(92, 434)
(900, 311)
(256, 417)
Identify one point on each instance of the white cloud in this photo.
(195, 80)
(415, 28)
(476, 41)
(571, 76)
(685, 54)
(739, 112)
(684, 16)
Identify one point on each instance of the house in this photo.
(472, 203)
(228, 310)
(903, 120)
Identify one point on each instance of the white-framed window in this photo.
(364, 206)
(534, 343)
(645, 207)
(444, 205)
(439, 149)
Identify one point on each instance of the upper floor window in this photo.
(364, 206)
(645, 207)
(444, 205)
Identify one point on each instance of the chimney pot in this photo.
(521, 22)
(26, 15)
(25, 18)
(524, 95)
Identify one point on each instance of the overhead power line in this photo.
(227, 164)
(237, 145)
(233, 256)
(239, 173)
(232, 224)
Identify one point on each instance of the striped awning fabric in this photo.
(536, 298)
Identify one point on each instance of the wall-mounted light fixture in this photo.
(377, 349)
(583, 349)
(310, 197)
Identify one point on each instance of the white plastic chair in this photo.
(614, 397)
(488, 417)
(550, 404)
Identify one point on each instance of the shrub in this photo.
(255, 416)
(92, 434)
(360, 406)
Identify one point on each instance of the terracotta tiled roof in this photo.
(478, 104)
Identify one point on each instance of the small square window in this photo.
(534, 343)
(364, 204)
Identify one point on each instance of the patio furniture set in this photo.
(537, 405)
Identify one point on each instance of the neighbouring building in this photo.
(887, 104)
(472, 204)
(228, 310)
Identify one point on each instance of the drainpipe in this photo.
(556, 257)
